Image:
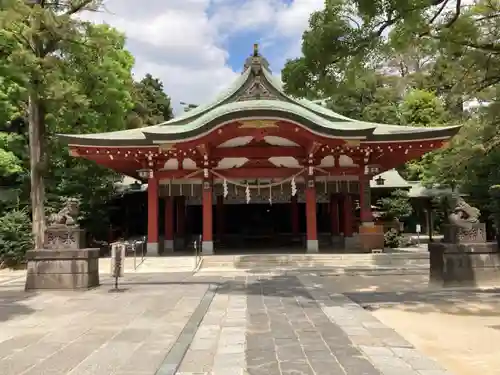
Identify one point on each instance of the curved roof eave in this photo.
(260, 109)
(295, 113)
(120, 137)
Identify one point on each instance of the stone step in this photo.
(318, 261)
(331, 271)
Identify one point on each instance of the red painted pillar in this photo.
(295, 216)
(220, 217)
(169, 224)
(348, 215)
(207, 245)
(153, 216)
(334, 215)
(312, 230)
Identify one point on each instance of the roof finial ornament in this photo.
(256, 61)
(255, 50)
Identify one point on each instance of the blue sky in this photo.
(197, 47)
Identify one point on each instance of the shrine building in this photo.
(291, 165)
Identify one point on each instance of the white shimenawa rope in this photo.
(259, 186)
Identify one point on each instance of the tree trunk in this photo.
(37, 157)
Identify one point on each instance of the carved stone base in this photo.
(455, 234)
(62, 269)
(64, 238)
(463, 264)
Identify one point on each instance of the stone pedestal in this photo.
(62, 269)
(464, 258)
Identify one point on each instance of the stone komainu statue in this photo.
(67, 215)
(464, 215)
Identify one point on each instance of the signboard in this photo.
(117, 259)
(418, 229)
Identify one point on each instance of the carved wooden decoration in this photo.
(165, 147)
(257, 90)
(257, 124)
(352, 142)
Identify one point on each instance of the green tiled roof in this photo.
(235, 103)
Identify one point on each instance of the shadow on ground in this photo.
(11, 301)
(402, 292)
(412, 293)
(454, 302)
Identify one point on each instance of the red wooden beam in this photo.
(260, 152)
(281, 172)
(284, 129)
(258, 163)
(179, 174)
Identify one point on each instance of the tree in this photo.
(442, 54)
(446, 46)
(422, 108)
(48, 51)
(152, 105)
(396, 206)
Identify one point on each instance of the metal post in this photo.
(134, 244)
(195, 247)
(418, 229)
(143, 247)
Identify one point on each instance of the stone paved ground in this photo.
(170, 324)
(459, 327)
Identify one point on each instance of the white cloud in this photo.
(182, 41)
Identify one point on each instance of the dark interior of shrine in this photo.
(254, 225)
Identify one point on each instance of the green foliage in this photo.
(88, 92)
(396, 206)
(425, 60)
(422, 108)
(15, 237)
(81, 74)
(495, 206)
(10, 163)
(151, 105)
(393, 239)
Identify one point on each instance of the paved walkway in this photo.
(176, 323)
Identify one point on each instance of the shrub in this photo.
(15, 237)
(393, 239)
